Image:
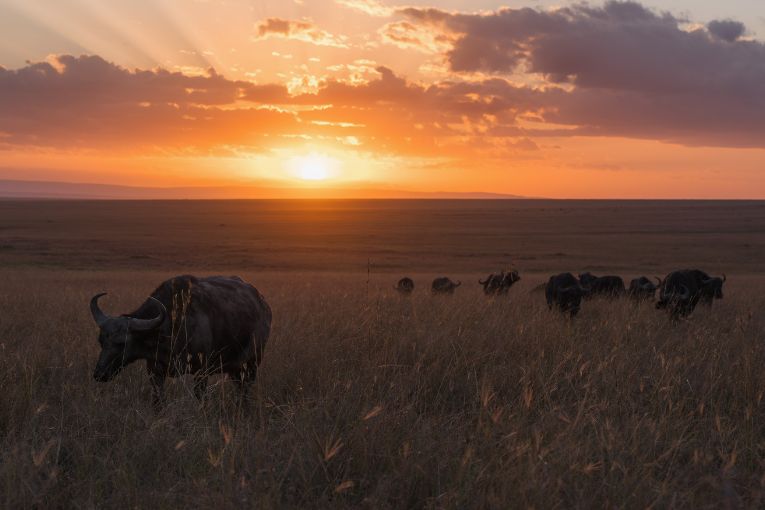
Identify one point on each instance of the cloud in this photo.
(88, 103)
(407, 35)
(370, 7)
(298, 30)
(70, 102)
(519, 76)
(630, 71)
(727, 30)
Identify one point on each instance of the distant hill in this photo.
(87, 191)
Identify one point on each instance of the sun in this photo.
(313, 167)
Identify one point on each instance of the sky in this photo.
(650, 99)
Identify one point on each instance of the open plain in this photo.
(368, 399)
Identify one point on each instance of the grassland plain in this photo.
(367, 399)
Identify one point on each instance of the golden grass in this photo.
(369, 399)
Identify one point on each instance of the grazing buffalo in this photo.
(188, 325)
(565, 292)
(681, 291)
(405, 286)
(499, 283)
(643, 289)
(609, 286)
(444, 285)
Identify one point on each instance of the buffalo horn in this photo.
(149, 324)
(98, 315)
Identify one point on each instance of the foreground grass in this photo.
(366, 399)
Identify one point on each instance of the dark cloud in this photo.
(89, 102)
(727, 30)
(632, 71)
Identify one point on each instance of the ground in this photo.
(369, 399)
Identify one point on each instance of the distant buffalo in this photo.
(499, 283)
(405, 286)
(681, 291)
(444, 285)
(564, 292)
(643, 289)
(188, 325)
(608, 286)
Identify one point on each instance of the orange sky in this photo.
(368, 98)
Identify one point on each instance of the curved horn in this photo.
(483, 282)
(149, 324)
(658, 280)
(98, 315)
(458, 283)
(686, 294)
(724, 277)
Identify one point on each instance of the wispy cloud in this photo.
(299, 30)
(370, 7)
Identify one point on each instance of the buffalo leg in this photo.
(244, 378)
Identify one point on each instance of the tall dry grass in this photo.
(366, 399)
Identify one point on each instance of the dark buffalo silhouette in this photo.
(643, 289)
(444, 285)
(405, 286)
(565, 292)
(681, 291)
(499, 283)
(608, 286)
(188, 325)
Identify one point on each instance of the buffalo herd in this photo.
(679, 292)
(205, 326)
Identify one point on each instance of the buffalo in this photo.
(405, 286)
(565, 292)
(444, 285)
(643, 289)
(681, 291)
(608, 286)
(499, 283)
(188, 325)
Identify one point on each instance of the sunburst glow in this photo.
(313, 167)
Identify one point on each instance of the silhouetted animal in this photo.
(405, 286)
(609, 286)
(444, 285)
(681, 291)
(565, 292)
(188, 325)
(643, 289)
(499, 283)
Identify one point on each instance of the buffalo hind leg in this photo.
(244, 379)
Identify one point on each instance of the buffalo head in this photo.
(121, 338)
(712, 287)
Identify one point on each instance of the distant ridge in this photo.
(20, 189)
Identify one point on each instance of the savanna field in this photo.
(366, 399)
